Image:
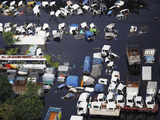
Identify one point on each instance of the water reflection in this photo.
(128, 116)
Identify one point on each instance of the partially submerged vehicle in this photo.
(62, 72)
(149, 55)
(134, 59)
(76, 117)
(82, 103)
(110, 32)
(87, 65)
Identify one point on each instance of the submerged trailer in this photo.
(87, 65)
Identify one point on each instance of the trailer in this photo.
(87, 65)
(146, 72)
(103, 109)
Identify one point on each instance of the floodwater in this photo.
(74, 51)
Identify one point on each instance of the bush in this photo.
(50, 62)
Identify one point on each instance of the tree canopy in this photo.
(24, 107)
(6, 88)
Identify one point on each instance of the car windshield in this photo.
(130, 101)
(95, 106)
(139, 102)
(120, 101)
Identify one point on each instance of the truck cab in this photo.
(106, 49)
(130, 101)
(101, 97)
(139, 101)
(120, 101)
(62, 72)
(150, 102)
(82, 108)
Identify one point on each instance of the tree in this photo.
(24, 107)
(8, 37)
(6, 89)
(29, 106)
(7, 111)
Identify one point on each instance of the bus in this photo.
(22, 61)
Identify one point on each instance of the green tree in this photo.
(32, 89)
(5, 89)
(28, 108)
(8, 37)
(24, 107)
(7, 111)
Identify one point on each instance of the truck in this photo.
(82, 103)
(53, 113)
(133, 59)
(62, 72)
(132, 90)
(87, 65)
(134, 102)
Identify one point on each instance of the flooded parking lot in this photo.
(73, 51)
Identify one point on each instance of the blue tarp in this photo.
(99, 88)
(38, 3)
(109, 12)
(149, 59)
(85, 2)
(74, 25)
(88, 34)
(72, 80)
(97, 61)
(87, 65)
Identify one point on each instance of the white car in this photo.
(150, 102)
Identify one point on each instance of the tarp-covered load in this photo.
(99, 88)
(72, 81)
(87, 65)
(48, 78)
